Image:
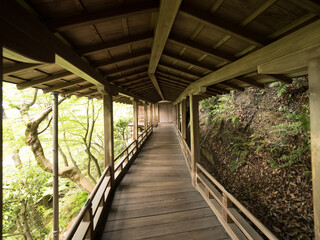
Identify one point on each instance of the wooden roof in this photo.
(153, 50)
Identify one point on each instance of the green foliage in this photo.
(25, 185)
(282, 87)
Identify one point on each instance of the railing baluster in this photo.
(226, 204)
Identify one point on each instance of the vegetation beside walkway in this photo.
(260, 142)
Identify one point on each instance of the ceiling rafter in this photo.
(120, 59)
(110, 14)
(136, 81)
(68, 92)
(189, 61)
(114, 43)
(43, 80)
(215, 53)
(167, 14)
(250, 81)
(231, 85)
(63, 85)
(222, 25)
(126, 68)
(19, 67)
(130, 74)
(182, 70)
(175, 76)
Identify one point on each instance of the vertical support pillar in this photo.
(314, 89)
(135, 119)
(1, 142)
(178, 117)
(55, 167)
(152, 114)
(183, 120)
(108, 135)
(194, 135)
(145, 115)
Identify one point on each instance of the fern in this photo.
(281, 90)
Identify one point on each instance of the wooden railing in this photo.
(86, 223)
(226, 207)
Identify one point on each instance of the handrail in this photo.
(222, 205)
(85, 224)
(88, 205)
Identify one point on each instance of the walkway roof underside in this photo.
(152, 50)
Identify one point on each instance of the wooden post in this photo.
(55, 166)
(227, 204)
(152, 114)
(178, 117)
(145, 115)
(1, 142)
(135, 119)
(108, 135)
(314, 89)
(183, 120)
(194, 135)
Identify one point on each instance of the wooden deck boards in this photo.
(156, 200)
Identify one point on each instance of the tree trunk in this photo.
(24, 221)
(34, 143)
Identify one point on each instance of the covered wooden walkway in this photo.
(156, 200)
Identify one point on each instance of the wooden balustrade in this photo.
(86, 223)
(226, 207)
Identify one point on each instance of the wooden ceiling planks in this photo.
(194, 41)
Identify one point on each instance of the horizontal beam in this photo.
(189, 61)
(222, 25)
(63, 85)
(231, 85)
(117, 60)
(71, 91)
(86, 93)
(43, 80)
(127, 68)
(110, 14)
(130, 74)
(303, 38)
(135, 81)
(250, 81)
(18, 68)
(175, 76)
(181, 70)
(114, 44)
(215, 53)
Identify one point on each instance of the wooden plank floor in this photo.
(156, 200)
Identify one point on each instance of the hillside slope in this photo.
(260, 142)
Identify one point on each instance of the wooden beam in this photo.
(18, 17)
(174, 82)
(281, 78)
(63, 85)
(174, 76)
(87, 93)
(127, 68)
(231, 85)
(181, 81)
(71, 91)
(314, 89)
(114, 44)
(309, 5)
(167, 14)
(1, 138)
(143, 72)
(19, 67)
(194, 135)
(262, 7)
(143, 87)
(304, 38)
(135, 119)
(172, 85)
(182, 70)
(221, 25)
(183, 120)
(120, 59)
(189, 61)
(110, 14)
(291, 62)
(138, 80)
(250, 81)
(108, 135)
(145, 111)
(43, 80)
(29, 50)
(156, 85)
(215, 53)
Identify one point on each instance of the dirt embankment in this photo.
(262, 155)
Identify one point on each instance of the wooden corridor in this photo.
(156, 200)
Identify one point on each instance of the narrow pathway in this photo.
(156, 200)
